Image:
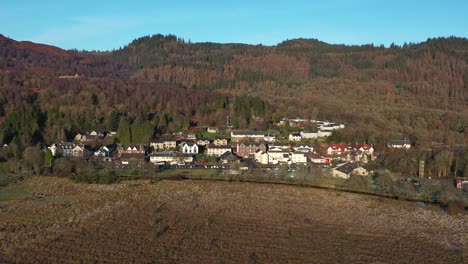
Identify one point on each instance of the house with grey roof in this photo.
(398, 143)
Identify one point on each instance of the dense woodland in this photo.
(158, 84)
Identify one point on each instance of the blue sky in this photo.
(106, 25)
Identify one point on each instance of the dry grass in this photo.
(220, 222)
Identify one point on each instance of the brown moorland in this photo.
(219, 222)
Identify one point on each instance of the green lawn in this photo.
(13, 192)
(7, 178)
(214, 135)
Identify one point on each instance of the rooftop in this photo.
(347, 168)
(399, 142)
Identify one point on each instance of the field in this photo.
(219, 222)
(193, 173)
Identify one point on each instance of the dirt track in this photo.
(221, 222)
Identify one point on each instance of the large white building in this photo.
(298, 157)
(278, 156)
(263, 158)
(309, 134)
(217, 151)
(322, 133)
(399, 144)
(237, 136)
(303, 148)
(162, 157)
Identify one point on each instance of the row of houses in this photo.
(338, 149)
(171, 144)
(276, 153)
(92, 135)
(237, 136)
(302, 123)
(71, 149)
(274, 156)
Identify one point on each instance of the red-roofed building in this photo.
(365, 148)
(338, 149)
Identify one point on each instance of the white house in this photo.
(134, 150)
(295, 137)
(338, 149)
(309, 134)
(212, 130)
(105, 151)
(263, 158)
(96, 134)
(322, 133)
(187, 158)
(53, 149)
(399, 144)
(269, 138)
(220, 142)
(303, 148)
(330, 127)
(189, 148)
(162, 157)
(248, 135)
(280, 156)
(319, 159)
(203, 142)
(80, 137)
(367, 149)
(63, 149)
(217, 151)
(78, 151)
(191, 136)
(164, 144)
(298, 157)
(169, 157)
(277, 149)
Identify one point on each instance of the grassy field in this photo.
(193, 173)
(13, 192)
(219, 222)
(7, 178)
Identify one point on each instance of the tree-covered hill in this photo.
(436, 67)
(35, 60)
(418, 91)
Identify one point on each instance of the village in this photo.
(232, 150)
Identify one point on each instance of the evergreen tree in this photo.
(113, 121)
(48, 158)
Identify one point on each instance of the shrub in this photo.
(358, 183)
(99, 179)
(63, 167)
(385, 182)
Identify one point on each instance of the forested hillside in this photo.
(436, 67)
(418, 91)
